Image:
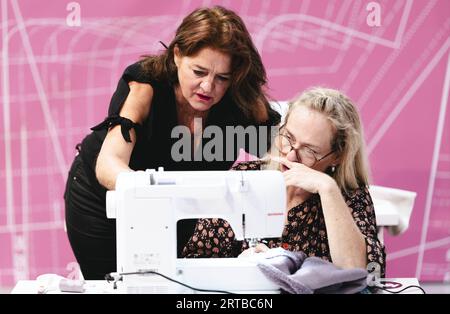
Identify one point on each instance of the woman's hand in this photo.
(259, 248)
(305, 178)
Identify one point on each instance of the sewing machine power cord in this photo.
(115, 277)
(392, 284)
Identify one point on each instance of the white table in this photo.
(91, 287)
(103, 287)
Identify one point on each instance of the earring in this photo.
(333, 169)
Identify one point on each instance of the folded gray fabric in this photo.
(278, 264)
(295, 273)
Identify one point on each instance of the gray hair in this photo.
(348, 142)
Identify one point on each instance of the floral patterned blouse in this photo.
(305, 229)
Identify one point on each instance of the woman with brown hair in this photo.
(210, 71)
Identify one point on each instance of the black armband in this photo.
(125, 126)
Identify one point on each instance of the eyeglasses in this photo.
(304, 154)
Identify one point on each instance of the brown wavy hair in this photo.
(223, 30)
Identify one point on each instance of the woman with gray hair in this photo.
(320, 150)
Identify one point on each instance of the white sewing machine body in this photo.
(147, 206)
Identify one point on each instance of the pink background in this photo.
(57, 80)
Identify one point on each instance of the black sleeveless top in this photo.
(154, 142)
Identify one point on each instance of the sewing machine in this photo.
(147, 206)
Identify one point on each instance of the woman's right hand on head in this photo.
(300, 176)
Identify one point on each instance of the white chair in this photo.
(393, 208)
